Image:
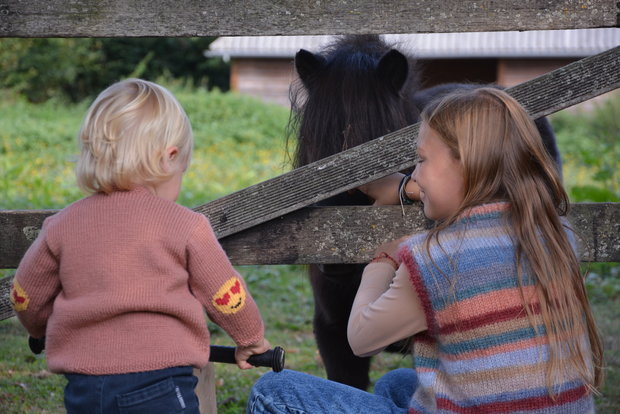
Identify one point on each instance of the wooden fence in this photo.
(270, 222)
(114, 18)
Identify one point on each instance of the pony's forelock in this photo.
(347, 103)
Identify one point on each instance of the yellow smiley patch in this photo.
(230, 298)
(19, 298)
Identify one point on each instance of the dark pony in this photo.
(357, 89)
(352, 92)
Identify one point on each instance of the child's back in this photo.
(126, 260)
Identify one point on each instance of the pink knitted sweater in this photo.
(119, 283)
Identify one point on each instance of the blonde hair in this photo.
(125, 135)
(503, 158)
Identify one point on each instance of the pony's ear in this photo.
(394, 68)
(308, 64)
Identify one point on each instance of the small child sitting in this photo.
(118, 282)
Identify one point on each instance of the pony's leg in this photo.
(334, 288)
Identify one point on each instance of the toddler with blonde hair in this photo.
(118, 282)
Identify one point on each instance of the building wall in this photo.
(436, 71)
(511, 72)
(269, 79)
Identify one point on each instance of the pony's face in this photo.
(356, 91)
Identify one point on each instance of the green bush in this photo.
(588, 142)
(41, 69)
(589, 145)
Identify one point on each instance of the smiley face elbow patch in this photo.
(230, 298)
(19, 298)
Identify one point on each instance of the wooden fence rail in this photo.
(121, 18)
(330, 234)
(323, 235)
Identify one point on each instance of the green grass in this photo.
(239, 142)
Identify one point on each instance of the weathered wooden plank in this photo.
(18, 229)
(330, 234)
(351, 234)
(323, 235)
(120, 18)
(6, 311)
(598, 226)
(299, 188)
(572, 84)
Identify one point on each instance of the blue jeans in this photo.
(165, 391)
(299, 393)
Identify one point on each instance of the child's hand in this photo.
(384, 190)
(412, 190)
(242, 353)
(391, 248)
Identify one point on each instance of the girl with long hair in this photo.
(492, 295)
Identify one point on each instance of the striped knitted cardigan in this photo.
(480, 353)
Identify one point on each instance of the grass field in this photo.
(239, 142)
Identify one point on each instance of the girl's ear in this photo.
(393, 68)
(308, 65)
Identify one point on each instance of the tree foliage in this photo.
(79, 68)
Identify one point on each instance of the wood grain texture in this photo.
(121, 18)
(18, 229)
(351, 234)
(330, 234)
(323, 235)
(6, 311)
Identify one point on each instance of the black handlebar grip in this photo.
(274, 358)
(37, 345)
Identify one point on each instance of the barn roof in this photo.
(536, 44)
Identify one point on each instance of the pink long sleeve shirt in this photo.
(119, 283)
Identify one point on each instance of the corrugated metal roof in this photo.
(545, 43)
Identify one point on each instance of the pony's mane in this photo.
(356, 89)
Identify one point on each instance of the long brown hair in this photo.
(504, 159)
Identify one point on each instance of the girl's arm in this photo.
(387, 190)
(386, 308)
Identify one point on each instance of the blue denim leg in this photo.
(298, 393)
(398, 386)
(164, 391)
